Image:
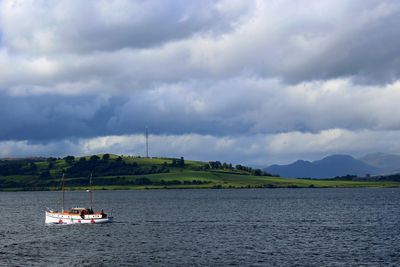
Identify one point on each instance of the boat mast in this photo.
(91, 191)
(62, 193)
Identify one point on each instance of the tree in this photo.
(94, 158)
(69, 159)
(50, 165)
(51, 159)
(45, 175)
(257, 172)
(32, 167)
(173, 162)
(106, 157)
(239, 167)
(182, 162)
(215, 165)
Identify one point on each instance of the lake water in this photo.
(265, 227)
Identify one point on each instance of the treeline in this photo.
(18, 167)
(225, 166)
(125, 181)
(106, 167)
(48, 168)
(81, 167)
(388, 178)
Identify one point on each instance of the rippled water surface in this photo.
(279, 227)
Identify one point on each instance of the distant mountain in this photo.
(388, 163)
(328, 167)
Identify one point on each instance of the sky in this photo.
(240, 81)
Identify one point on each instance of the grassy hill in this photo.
(127, 172)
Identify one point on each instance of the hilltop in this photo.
(114, 172)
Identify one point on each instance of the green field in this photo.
(193, 174)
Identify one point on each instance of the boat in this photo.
(77, 215)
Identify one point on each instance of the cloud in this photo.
(50, 117)
(248, 105)
(112, 43)
(76, 27)
(306, 41)
(223, 70)
(245, 105)
(258, 150)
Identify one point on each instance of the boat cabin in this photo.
(81, 211)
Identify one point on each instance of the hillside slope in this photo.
(125, 172)
(388, 163)
(121, 171)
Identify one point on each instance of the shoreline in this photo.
(121, 188)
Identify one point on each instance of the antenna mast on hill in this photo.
(147, 142)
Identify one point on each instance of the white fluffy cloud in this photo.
(226, 75)
(257, 150)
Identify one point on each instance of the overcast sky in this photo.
(241, 81)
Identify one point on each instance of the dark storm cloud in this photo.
(240, 106)
(52, 117)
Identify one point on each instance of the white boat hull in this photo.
(64, 218)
